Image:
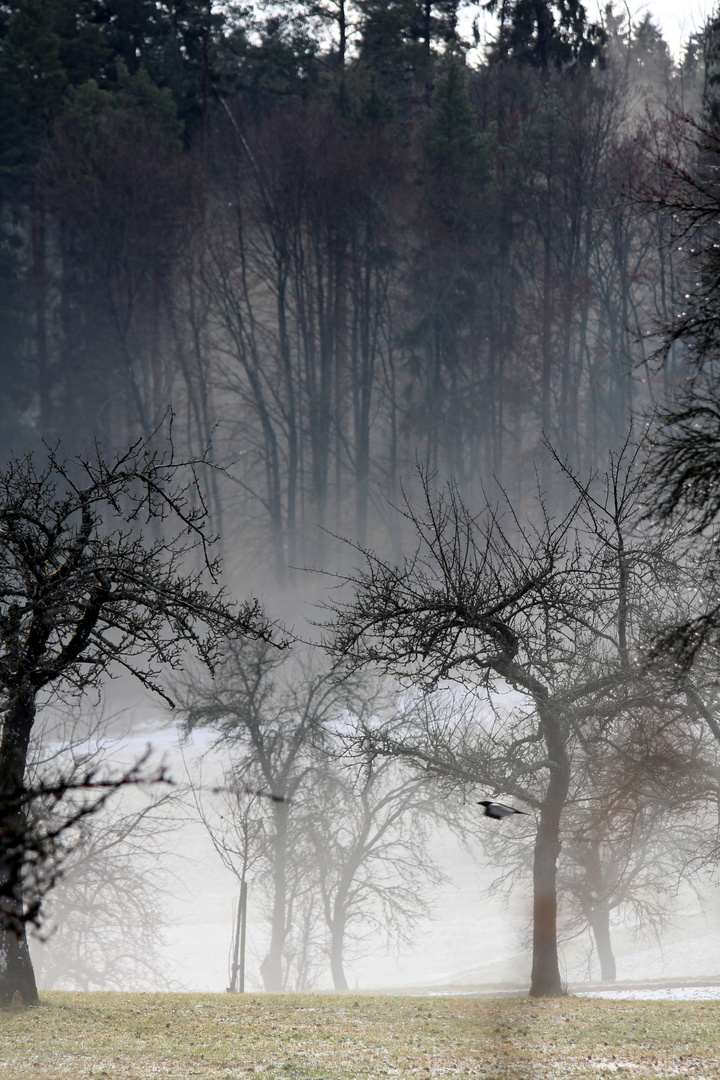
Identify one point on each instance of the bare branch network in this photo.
(566, 612)
(105, 566)
(87, 581)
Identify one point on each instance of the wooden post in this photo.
(237, 975)
(233, 987)
(242, 907)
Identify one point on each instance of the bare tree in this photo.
(269, 714)
(42, 826)
(370, 832)
(104, 915)
(235, 822)
(642, 812)
(102, 843)
(337, 835)
(104, 565)
(641, 818)
(561, 611)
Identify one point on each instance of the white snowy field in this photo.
(469, 945)
(657, 993)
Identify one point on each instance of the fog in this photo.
(472, 941)
(339, 492)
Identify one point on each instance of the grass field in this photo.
(310, 1037)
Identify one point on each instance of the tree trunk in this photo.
(546, 338)
(600, 924)
(17, 978)
(545, 980)
(595, 905)
(271, 967)
(336, 956)
(37, 247)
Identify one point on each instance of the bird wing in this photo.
(498, 809)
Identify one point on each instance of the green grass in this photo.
(310, 1037)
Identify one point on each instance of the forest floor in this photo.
(333, 1037)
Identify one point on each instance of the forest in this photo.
(335, 246)
(359, 295)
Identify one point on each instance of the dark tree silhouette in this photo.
(104, 565)
(562, 611)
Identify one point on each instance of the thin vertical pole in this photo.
(236, 947)
(242, 908)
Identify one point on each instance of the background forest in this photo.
(359, 255)
(333, 246)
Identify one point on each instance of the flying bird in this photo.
(265, 794)
(497, 809)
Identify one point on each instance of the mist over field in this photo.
(359, 444)
(469, 942)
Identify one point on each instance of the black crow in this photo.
(498, 809)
